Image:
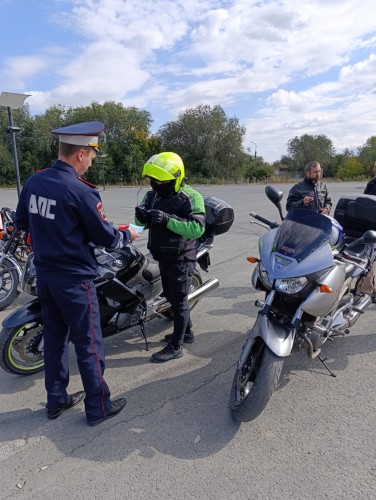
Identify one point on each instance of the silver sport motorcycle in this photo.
(311, 276)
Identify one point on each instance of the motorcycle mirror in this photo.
(369, 237)
(275, 196)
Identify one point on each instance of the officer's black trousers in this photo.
(176, 281)
(71, 313)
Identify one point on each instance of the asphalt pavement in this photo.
(176, 438)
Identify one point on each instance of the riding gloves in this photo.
(159, 217)
(142, 215)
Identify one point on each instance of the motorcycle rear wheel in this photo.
(196, 282)
(8, 284)
(254, 381)
(21, 348)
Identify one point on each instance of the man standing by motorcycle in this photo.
(175, 216)
(369, 280)
(65, 217)
(371, 185)
(310, 193)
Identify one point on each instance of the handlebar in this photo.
(269, 223)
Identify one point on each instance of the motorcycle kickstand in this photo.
(326, 366)
(142, 319)
(142, 326)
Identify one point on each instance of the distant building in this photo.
(283, 171)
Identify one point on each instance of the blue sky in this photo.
(284, 68)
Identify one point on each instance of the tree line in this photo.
(210, 143)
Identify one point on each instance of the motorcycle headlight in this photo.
(291, 285)
(266, 280)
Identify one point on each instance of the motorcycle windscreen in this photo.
(302, 233)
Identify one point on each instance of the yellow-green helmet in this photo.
(165, 167)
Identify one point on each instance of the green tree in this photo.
(367, 154)
(258, 171)
(301, 150)
(351, 169)
(209, 142)
(126, 139)
(6, 166)
(39, 148)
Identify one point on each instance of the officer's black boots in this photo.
(73, 400)
(115, 408)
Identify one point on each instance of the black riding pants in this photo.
(176, 281)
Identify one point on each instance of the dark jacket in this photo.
(176, 240)
(371, 187)
(307, 188)
(64, 214)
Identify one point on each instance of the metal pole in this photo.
(101, 157)
(103, 180)
(14, 150)
(255, 149)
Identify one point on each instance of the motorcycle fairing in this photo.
(299, 247)
(27, 313)
(318, 303)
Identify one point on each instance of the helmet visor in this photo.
(156, 172)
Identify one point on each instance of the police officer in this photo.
(175, 215)
(65, 217)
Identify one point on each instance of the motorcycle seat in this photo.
(360, 251)
(151, 271)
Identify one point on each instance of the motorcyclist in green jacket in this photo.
(174, 213)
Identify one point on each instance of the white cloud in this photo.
(285, 68)
(19, 69)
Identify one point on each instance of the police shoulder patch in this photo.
(87, 182)
(100, 211)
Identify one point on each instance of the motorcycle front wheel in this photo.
(8, 284)
(255, 380)
(21, 348)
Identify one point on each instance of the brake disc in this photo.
(27, 347)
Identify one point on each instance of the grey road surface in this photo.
(176, 438)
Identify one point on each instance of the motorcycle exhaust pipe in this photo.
(312, 353)
(356, 312)
(202, 290)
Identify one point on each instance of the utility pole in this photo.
(255, 149)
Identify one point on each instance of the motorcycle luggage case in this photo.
(356, 214)
(219, 216)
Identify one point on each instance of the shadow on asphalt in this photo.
(185, 416)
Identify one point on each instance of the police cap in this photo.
(80, 134)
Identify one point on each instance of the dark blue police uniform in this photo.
(64, 215)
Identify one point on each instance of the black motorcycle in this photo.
(14, 250)
(129, 291)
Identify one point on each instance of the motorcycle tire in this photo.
(254, 381)
(196, 282)
(9, 280)
(20, 348)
